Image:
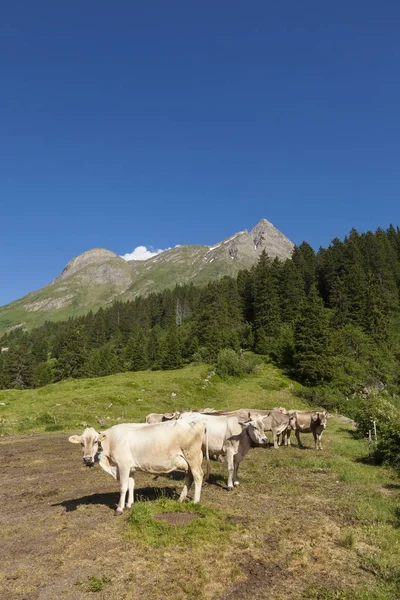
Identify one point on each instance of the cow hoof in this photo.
(236, 483)
(118, 512)
(230, 488)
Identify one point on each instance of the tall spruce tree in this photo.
(136, 352)
(266, 303)
(172, 355)
(73, 354)
(312, 340)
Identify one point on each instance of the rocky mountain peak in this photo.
(96, 256)
(266, 237)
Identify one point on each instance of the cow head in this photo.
(292, 419)
(255, 431)
(90, 442)
(170, 416)
(320, 418)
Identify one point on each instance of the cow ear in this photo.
(75, 439)
(314, 416)
(102, 437)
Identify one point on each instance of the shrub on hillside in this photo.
(230, 363)
(388, 448)
(375, 408)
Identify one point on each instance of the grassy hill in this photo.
(131, 396)
(302, 525)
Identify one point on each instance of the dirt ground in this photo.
(58, 530)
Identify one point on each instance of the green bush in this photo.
(230, 363)
(378, 409)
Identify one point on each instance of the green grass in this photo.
(209, 527)
(325, 524)
(131, 396)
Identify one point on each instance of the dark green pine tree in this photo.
(312, 338)
(291, 292)
(210, 320)
(108, 360)
(154, 347)
(93, 365)
(43, 373)
(266, 303)
(136, 352)
(96, 330)
(377, 314)
(305, 260)
(18, 366)
(73, 354)
(172, 355)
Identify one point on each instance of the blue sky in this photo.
(161, 123)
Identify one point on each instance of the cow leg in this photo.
(315, 440)
(124, 485)
(287, 441)
(236, 464)
(298, 438)
(198, 481)
(131, 487)
(186, 487)
(319, 441)
(276, 446)
(229, 460)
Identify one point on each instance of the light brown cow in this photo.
(158, 448)
(308, 421)
(226, 436)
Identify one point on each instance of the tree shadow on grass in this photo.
(110, 499)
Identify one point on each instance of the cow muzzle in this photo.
(88, 461)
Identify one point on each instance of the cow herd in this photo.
(178, 441)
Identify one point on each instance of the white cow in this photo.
(227, 436)
(158, 448)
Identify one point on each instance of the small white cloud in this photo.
(141, 253)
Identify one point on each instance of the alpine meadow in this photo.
(303, 330)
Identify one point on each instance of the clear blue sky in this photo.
(160, 123)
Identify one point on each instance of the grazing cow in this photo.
(161, 417)
(277, 422)
(307, 421)
(158, 448)
(227, 436)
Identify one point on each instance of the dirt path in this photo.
(57, 530)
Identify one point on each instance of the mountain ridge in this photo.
(99, 276)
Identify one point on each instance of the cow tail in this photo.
(207, 455)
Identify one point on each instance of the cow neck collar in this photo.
(99, 452)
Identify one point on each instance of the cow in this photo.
(158, 448)
(227, 436)
(277, 422)
(307, 421)
(161, 417)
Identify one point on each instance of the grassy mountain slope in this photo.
(98, 277)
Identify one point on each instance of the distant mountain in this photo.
(98, 277)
